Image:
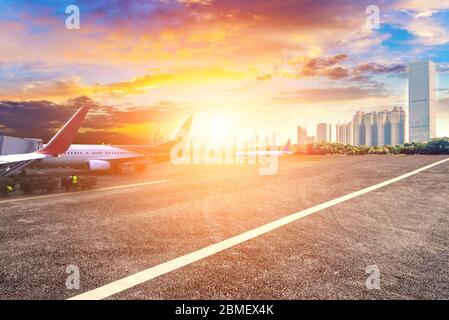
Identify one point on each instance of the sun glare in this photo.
(213, 128)
(220, 127)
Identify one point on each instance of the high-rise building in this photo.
(343, 133)
(370, 129)
(302, 136)
(349, 133)
(323, 132)
(396, 126)
(375, 129)
(340, 133)
(402, 121)
(381, 122)
(421, 101)
(358, 129)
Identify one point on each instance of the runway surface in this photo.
(137, 222)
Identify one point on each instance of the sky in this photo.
(269, 65)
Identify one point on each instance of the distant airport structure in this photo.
(323, 132)
(373, 128)
(421, 99)
(13, 145)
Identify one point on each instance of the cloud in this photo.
(141, 31)
(33, 118)
(60, 89)
(264, 77)
(333, 68)
(422, 5)
(318, 95)
(428, 31)
(104, 123)
(321, 66)
(443, 67)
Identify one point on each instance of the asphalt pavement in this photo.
(134, 222)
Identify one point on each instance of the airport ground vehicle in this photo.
(31, 185)
(39, 184)
(84, 183)
(7, 186)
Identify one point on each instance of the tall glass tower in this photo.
(421, 101)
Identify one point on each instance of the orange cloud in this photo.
(62, 89)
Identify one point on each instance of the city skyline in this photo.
(374, 128)
(390, 128)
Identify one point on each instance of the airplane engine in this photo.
(99, 165)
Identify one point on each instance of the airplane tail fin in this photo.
(65, 136)
(286, 148)
(185, 127)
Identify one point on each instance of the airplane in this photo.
(264, 153)
(111, 158)
(10, 164)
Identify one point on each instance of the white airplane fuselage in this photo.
(79, 156)
(110, 158)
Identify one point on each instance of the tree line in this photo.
(435, 146)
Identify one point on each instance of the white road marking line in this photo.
(156, 271)
(62, 194)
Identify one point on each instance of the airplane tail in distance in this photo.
(175, 138)
(186, 126)
(286, 148)
(65, 136)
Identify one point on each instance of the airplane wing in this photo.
(57, 145)
(140, 160)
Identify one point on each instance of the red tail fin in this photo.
(65, 136)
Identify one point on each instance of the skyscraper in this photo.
(369, 122)
(343, 133)
(421, 101)
(349, 133)
(381, 122)
(358, 129)
(302, 136)
(402, 121)
(396, 126)
(323, 132)
(340, 133)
